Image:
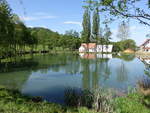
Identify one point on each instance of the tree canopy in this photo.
(133, 9)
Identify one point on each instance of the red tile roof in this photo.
(89, 45)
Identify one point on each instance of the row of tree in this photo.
(14, 35)
(92, 32)
(16, 38)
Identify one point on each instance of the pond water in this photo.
(49, 75)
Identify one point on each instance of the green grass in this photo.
(133, 103)
(14, 102)
(11, 101)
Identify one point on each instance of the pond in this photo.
(49, 75)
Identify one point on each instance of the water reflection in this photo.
(50, 75)
(146, 62)
(95, 55)
(122, 72)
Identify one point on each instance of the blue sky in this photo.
(62, 15)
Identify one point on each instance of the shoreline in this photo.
(14, 101)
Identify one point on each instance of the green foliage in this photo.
(131, 104)
(127, 9)
(86, 33)
(16, 38)
(14, 35)
(12, 101)
(123, 45)
(96, 24)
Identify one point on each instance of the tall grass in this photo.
(99, 99)
(144, 88)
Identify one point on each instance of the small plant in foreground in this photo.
(144, 88)
(99, 100)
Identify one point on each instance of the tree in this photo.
(107, 34)
(72, 33)
(128, 9)
(129, 44)
(86, 33)
(96, 24)
(123, 31)
(6, 28)
(123, 45)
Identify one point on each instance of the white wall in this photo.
(148, 45)
(104, 48)
(99, 48)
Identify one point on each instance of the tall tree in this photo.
(96, 24)
(6, 26)
(86, 33)
(123, 31)
(107, 34)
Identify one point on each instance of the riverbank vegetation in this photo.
(12, 101)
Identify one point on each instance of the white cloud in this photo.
(37, 16)
(73, 22)
(31, 18)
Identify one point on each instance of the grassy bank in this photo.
(133, 103)
(14, 102)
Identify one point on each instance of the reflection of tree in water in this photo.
(126, 57)
(95, 76)
(147, 70)
(85, 73)
(91, 69)
(122, 72)
(103, 68)
(107, 71)
(91, 76)
(14, 80)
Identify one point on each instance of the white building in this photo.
(92, 47)
(82, 49)
(104, 48)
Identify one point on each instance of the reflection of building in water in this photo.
(93, 47)
(93, 70)
(145, 59)
(94, 56)
(87, 55)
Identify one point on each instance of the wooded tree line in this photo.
(16, 38)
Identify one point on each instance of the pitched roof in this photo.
(89, 45)
(92, 45)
